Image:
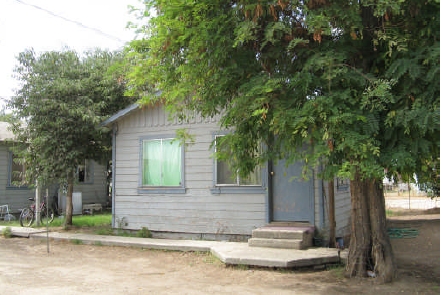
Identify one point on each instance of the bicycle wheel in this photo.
(26, 217)
(47, 216)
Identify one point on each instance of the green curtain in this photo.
(161, 163)
(151, 175)
(171, 163)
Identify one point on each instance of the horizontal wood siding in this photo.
(342, 206)
(342, 211)
(196, 211)
(95, 192)
(16, 198)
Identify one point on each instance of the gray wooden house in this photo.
(183, 192)
(90, 187)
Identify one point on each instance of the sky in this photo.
(47, 25)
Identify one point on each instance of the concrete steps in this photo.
(283, 236)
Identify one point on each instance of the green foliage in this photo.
(96, 220)
(7, 232)
(351, 84)
(144, 233)
(84, 221)
(63, 99)
(5, 117)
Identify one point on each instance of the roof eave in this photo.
(122, 113)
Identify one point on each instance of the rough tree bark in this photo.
(382, 254)
(370, 248)
(360, 230)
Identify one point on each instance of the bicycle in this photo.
(27, 215)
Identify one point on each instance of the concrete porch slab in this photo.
(236, 253)
(242, 254)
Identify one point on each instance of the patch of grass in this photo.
(10, 223)
(98, 243)
(100, 222)
(390, 213)
(92, 220)
(336, 270)
(7, 232)
(79, 221)
(211, 259)
(96, 220)
(242, 267)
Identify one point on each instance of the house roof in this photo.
(5, 133)
(120, 114)
(124, 112)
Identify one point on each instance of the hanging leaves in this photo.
(298, 68)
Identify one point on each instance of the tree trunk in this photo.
(382, 254)
(69, 205)
(370, 248)
(331, 212)
(360, 230)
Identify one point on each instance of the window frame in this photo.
(10, 171)
(236, 188)
(143, 189)
(89, 168)
(342, 184)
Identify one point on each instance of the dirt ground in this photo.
(26, 267)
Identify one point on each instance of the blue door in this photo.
(291, 199)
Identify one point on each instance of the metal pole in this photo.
(47, 220)
(37, 204)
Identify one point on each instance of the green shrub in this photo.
(144, 233)
(7, 232)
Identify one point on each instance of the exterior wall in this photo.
(96, 191)
(342, 206)
(342, 210)
(93, 192)
(198, 210)
(16, 198)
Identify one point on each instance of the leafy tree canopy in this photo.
(358, 80)
(61, 102)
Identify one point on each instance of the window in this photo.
(342, 184)
(161, 163)
(84, 172)
(16, 172)
(225, 177)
